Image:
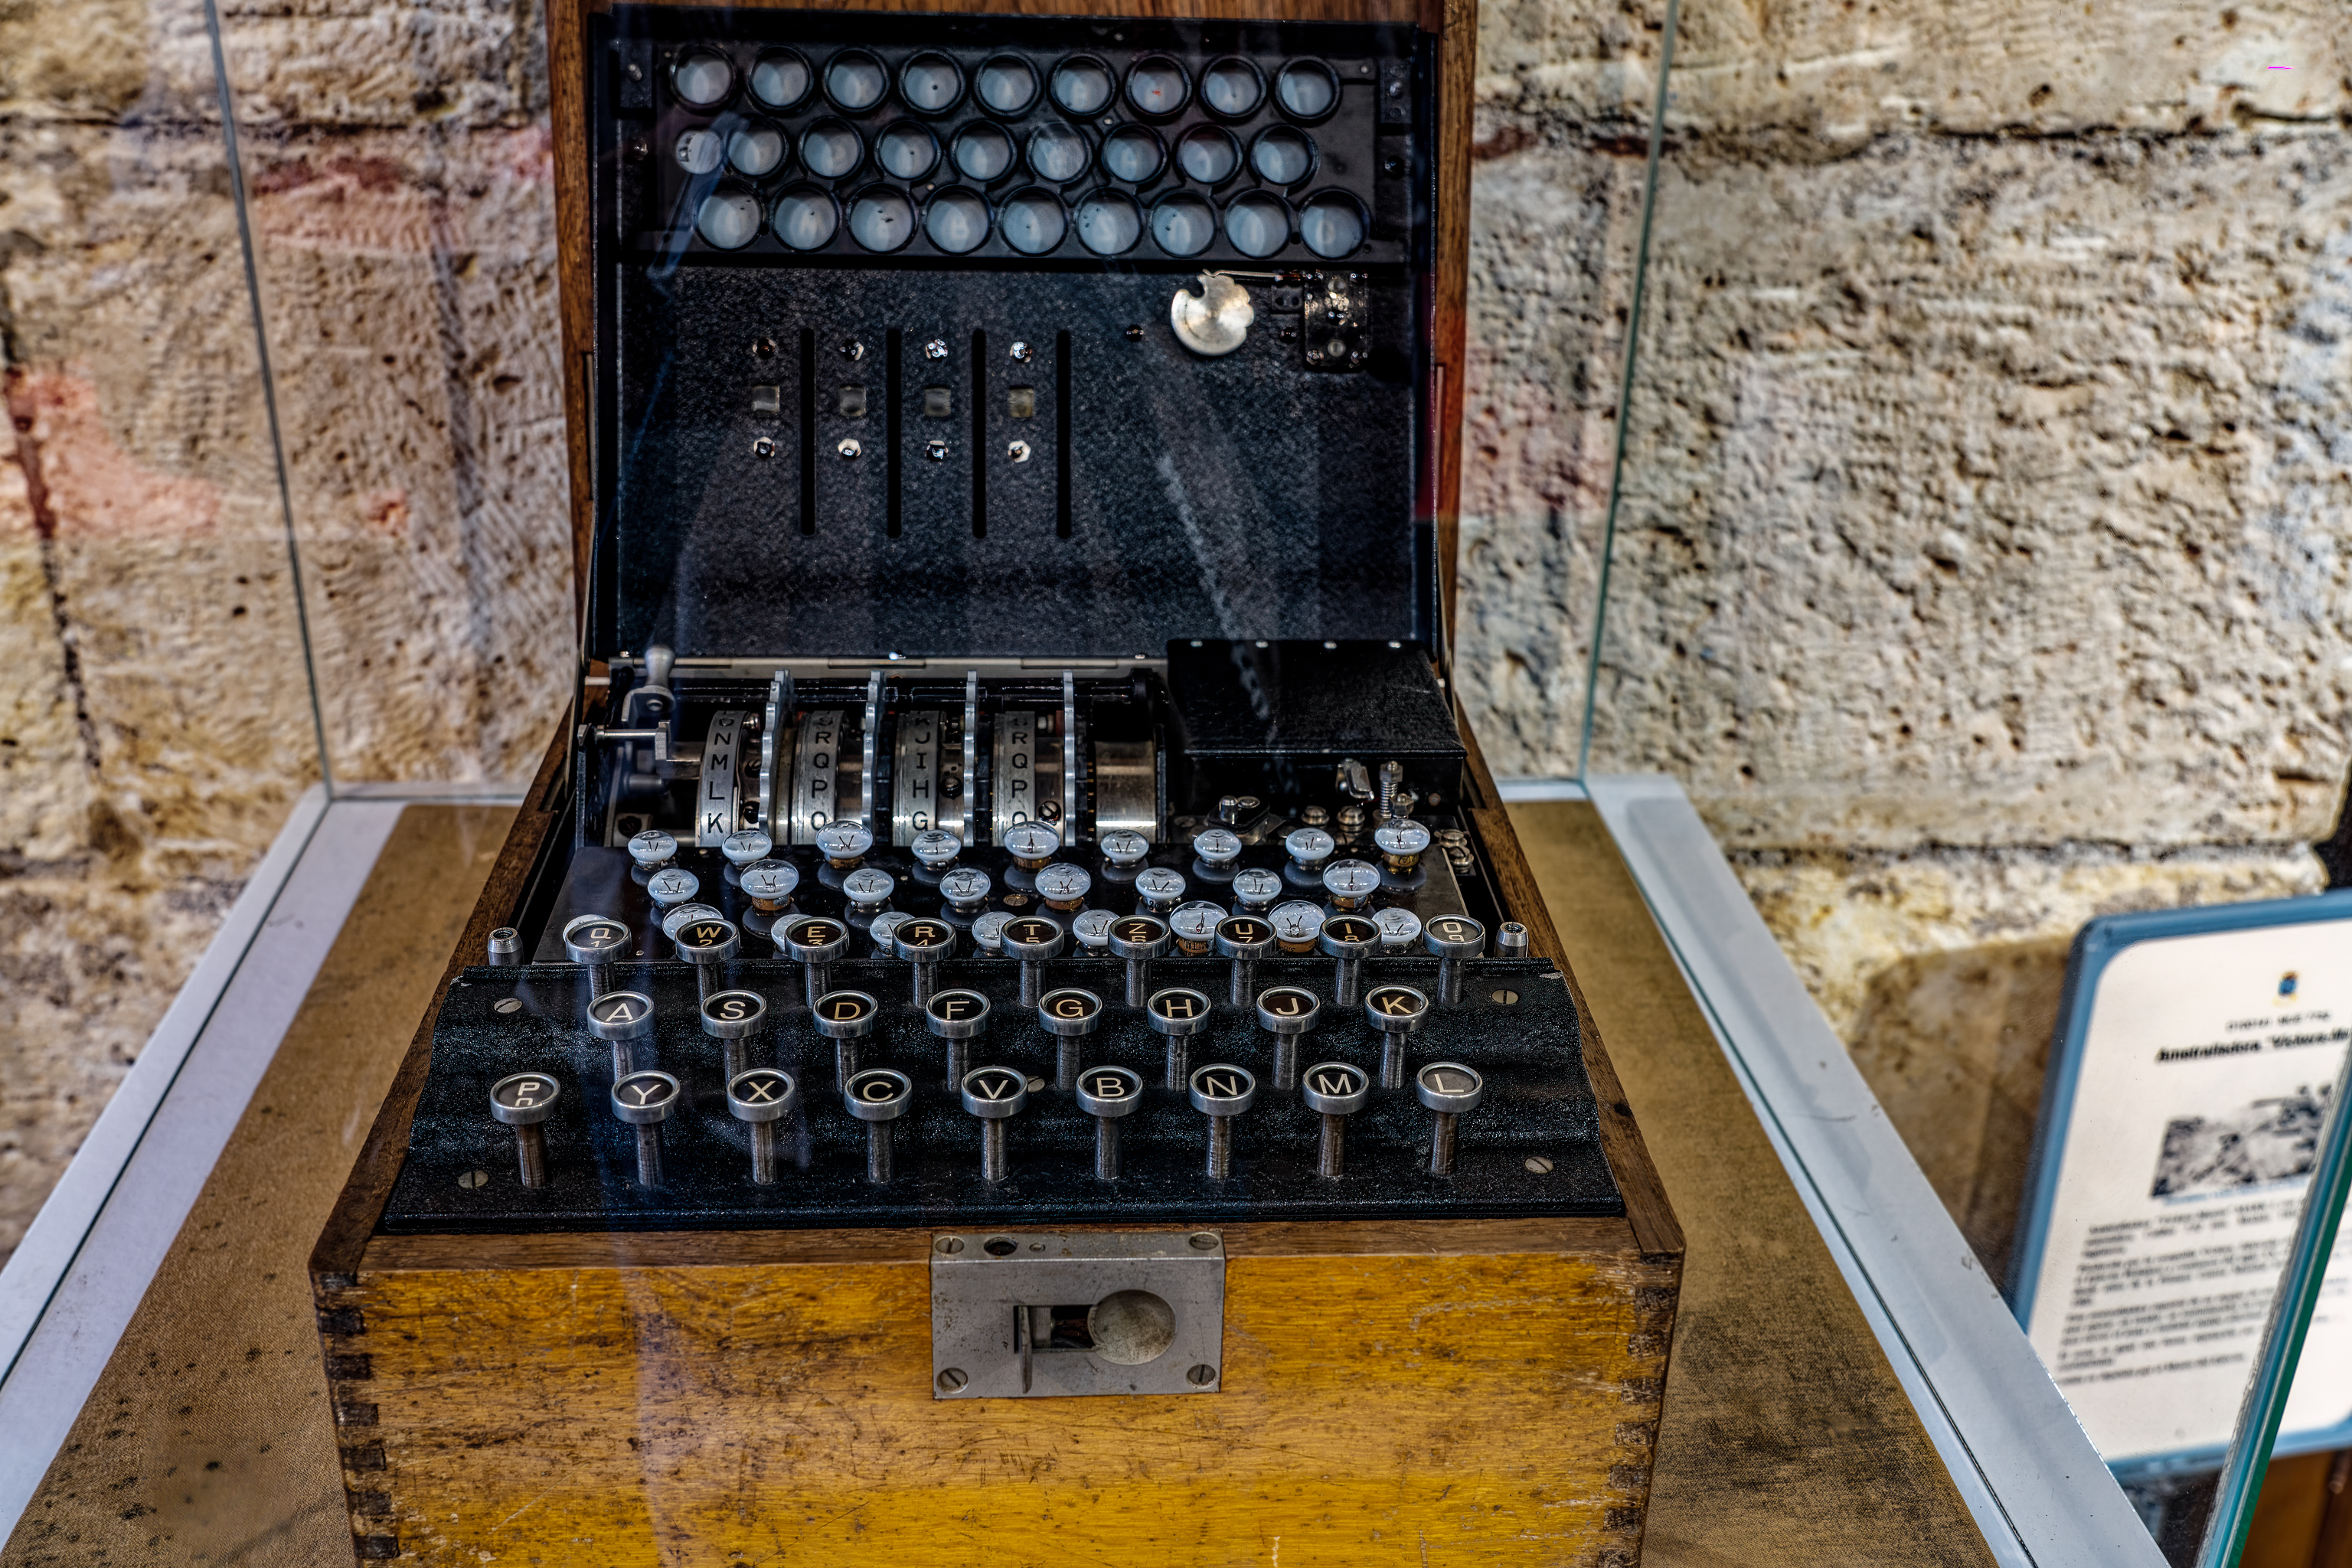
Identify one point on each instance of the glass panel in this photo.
(156, 726)
(403, 230)
(1975, 513)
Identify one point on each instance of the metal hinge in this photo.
(1029, 1316)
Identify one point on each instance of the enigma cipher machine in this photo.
(1011, 1026)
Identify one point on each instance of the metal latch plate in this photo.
(1027, 1315)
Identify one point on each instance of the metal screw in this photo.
(1203, 1241)
(765, 348)
(952, 1380)
(1540, 1163)
(935, 348)
(1021, 352)
(507, 1004)
(472, 1179)
(852, 350)
(1202, 1377)
(763, 448)
(948, 1244)
(849, 449)
(937, 451)
(1505, 998)
(636, 71)
(1018, 452)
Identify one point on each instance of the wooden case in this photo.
(1394, 1390)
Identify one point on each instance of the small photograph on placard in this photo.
(2271, 1139)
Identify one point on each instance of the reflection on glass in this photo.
(757, 151)
(781, 79)
(855, 81)
(1231, 88)
(728, 219)
(1058, 153)
(983, 153)
(1257, 224)
(1331, 225)
(830, 149)
(1157, 86)
(957, 221)
(1007, 85)
(1282, 157)
(1131, 153)
(907, 150)
(805, 218)
(1109, 224)
(1032, 222)
(1183, 224)
(1209, 155)
(1307, 89)
(931, 83)
(702, 77)
(698, 152)
(1081, 85)
(881, 218)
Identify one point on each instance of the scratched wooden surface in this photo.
(1785, 1439)
(1374, 1408)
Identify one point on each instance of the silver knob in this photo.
(1451, 939)
(1033, 940)
(924, 942)
(988, 932)
(623, 1018)
(845, 1018)
(1399, 929)
(1450, 1090)
(672, 886)
(814, 943)
(1255, 890)
(1194, 926)
(733, 1017)
(1335, 1091)
(1063, 886)
(1221, 1092)
(1069, 1016)
(1160, 889)
(707, 943)
(879, 1097)
(1295, 924)
(653, 849)
(994, 1095)
(1090, 929)
(1217, 849)
(1140, 938)
(768, 884)
(1510, 940)
(1398, 1012)
(1350, 883)
(744, 848)
(1123, 849)
(643, 1100)
(1349, 939)
(844, 844)
(504, 948)
(598, 941)
(522, 1100)
(1177, 1013)
(1108, 1094)
(1031, 843)
(965, 887)
(1287, 1012)
(935, 849)
(761, 1097)
(1245, 939)
(884, 928)
(958, 1017)
(1400, 841)
(1309, 848)
(867, 889)
(675, 919)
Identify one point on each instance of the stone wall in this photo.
(1985, 558)
(1978, 565)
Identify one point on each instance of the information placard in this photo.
(2196, 1053)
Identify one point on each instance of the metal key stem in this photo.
(530, 1152)
(1331, 1152)
(1106, 1149)
(763, 1153)
(992, 1163)
(649, 1161)
(879, 1144)
(1220, 1148)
